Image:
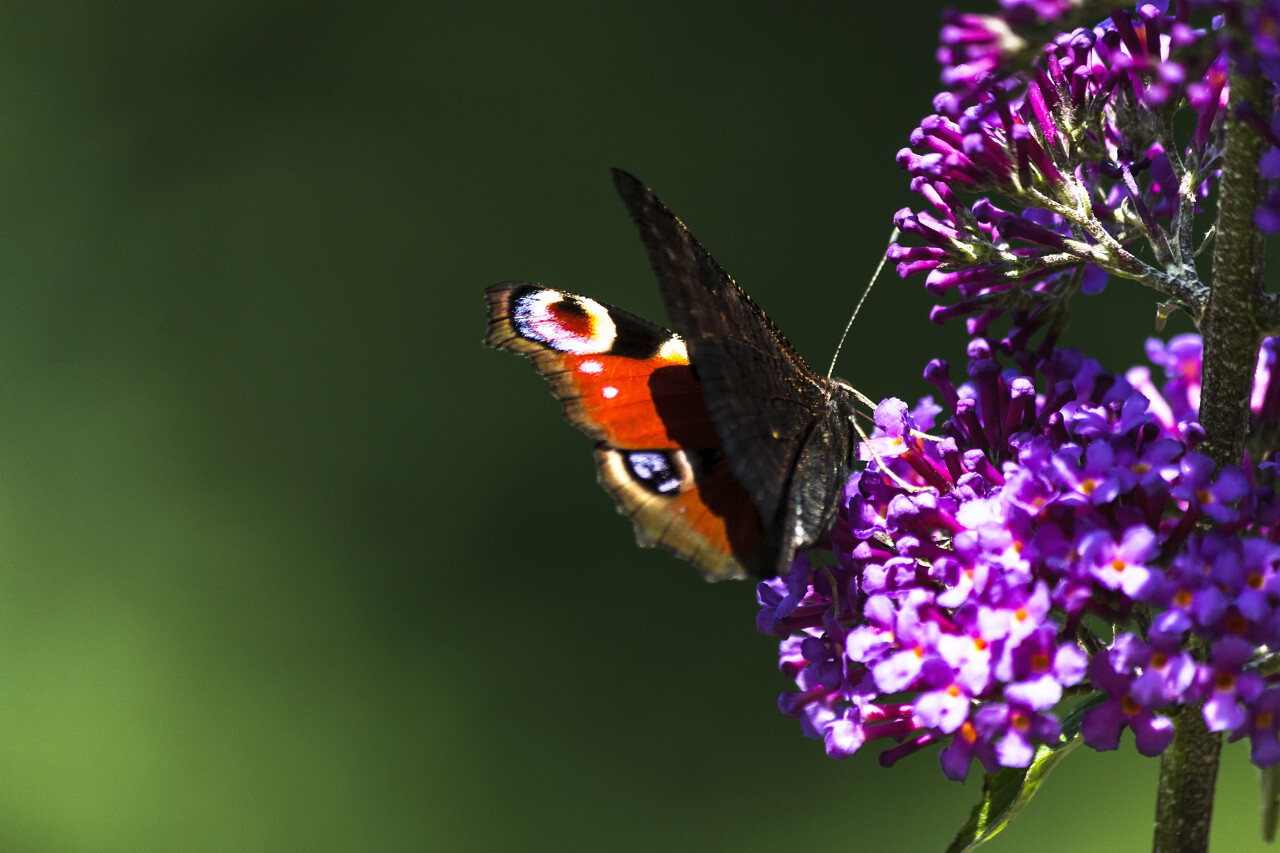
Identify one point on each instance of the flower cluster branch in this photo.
(1069, 540)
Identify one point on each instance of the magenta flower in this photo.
(958, 604)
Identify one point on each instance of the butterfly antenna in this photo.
(879, 267)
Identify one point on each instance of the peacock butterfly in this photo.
(716, 439)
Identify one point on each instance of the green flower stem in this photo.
(1229, 324)
(1232, 335)
(1188, 771)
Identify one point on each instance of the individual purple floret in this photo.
(1102, 725)
(1262, 728)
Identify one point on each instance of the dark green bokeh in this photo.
(291, 563)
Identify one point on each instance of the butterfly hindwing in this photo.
(786, 430)
(627, 383)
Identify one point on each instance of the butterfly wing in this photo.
(627, 383)
(786, 430)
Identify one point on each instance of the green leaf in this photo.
(1004, 794)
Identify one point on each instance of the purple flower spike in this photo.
(1047, 540)
(1033, 128)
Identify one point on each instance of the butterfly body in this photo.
(716, 438)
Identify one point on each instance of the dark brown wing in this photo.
(784, 428)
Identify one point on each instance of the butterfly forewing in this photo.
(785, 430)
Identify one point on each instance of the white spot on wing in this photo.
(609, 392)
(591, 367)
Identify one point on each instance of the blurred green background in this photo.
(291, 563)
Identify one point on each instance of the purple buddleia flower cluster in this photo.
(1042, 548)
(981, 53)
(1071, 132)
(1056, 556)
(1048, 167)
